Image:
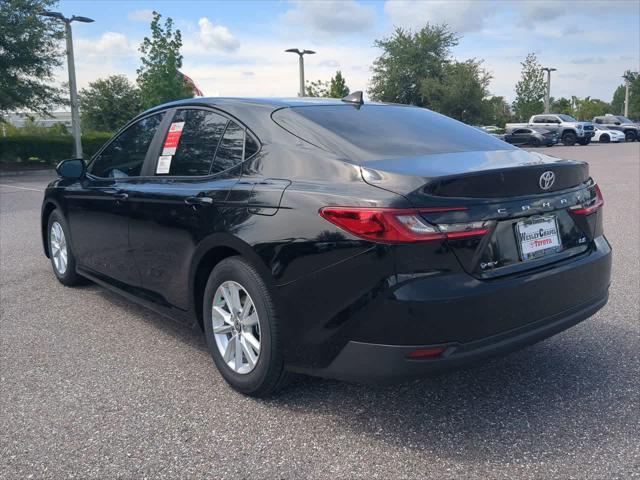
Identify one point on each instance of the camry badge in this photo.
(546, 180)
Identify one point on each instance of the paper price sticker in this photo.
(173, 137)
(164, 164)
(176, 127)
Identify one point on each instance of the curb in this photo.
(26, 172)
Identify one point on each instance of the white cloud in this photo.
(461, 16)
(216, 37)
(331, 16)
(533, 12)
(329, 63)
(275, 73)
(110, 44)
(145, 15)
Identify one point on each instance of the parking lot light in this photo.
(547, 97)
(301, 54)
(73, 92)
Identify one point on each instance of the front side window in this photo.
(191, 142)
(124, 156)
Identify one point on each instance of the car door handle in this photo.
(121, 196)
(198, 201)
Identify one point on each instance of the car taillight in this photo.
(390, 225)
(423, 353)
(596, 203)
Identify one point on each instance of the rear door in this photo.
(98, 208)
(197, 163)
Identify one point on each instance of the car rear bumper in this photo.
(471, 319)
(369, 362)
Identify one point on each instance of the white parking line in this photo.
(21, 188)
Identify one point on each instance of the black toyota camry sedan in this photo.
(351, 240)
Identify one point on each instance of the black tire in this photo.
(584, 141)
(630, 136)
(605, 138)
(569, 139)
(534, 142)
(268, 376)
(69, 277)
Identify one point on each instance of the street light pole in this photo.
(301, 54)
(75, 111)
(73, 90)
(626, 94)
(547, 97)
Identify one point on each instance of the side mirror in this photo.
(71, 169)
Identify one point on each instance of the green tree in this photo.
(460, 92)
(334, 88)
(617, 104)
(561, 105)
(409, 64)
(587, 108)
(29, 53)
(338, 86)
(498, 111)
(416, 68)
(530, 90)
(109, 103)
(158, 77)
(317, 88)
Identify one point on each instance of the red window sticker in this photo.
(173, 137)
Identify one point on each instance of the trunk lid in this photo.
(484, 174)
(510, 189)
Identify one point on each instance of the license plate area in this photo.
(538, 237)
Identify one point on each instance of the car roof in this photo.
(275, 102)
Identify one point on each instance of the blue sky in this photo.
(235, 48)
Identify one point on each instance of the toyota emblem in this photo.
(546, 180)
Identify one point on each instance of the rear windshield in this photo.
(374, 132)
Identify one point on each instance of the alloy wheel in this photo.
(58, 248)
(236, 327)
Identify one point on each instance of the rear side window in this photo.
(231, 149)
(383, 131)
(124, 156)
(250, 146)
(540, 120)
(191, 142)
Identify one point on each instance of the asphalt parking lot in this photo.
(93, 386)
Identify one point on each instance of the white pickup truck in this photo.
(569, 130)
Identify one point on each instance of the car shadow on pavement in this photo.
(186, 333)
(547, 394)
(550, 391)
